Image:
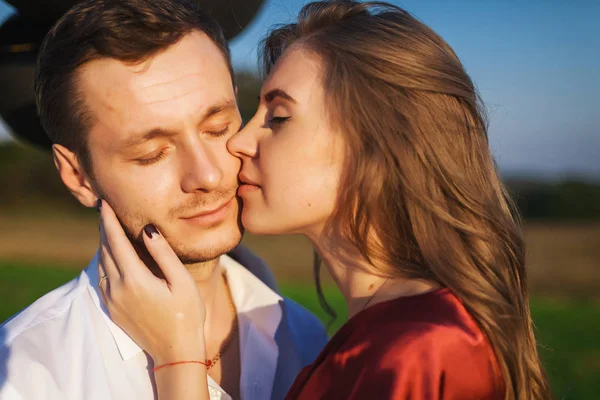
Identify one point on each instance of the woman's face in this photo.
(291, 156)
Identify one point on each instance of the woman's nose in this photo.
(245, 142)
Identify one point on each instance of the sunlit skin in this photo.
(292, 162)
(293, 157)
(158, 145)
(158, 150)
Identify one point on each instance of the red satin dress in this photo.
(419, 347)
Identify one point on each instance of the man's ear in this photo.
(73, 176)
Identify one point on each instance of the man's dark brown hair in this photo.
(131, 31)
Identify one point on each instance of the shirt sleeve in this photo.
(308, 330)
(7, 392)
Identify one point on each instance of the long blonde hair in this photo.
(419, 173)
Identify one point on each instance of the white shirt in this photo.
(65, 346)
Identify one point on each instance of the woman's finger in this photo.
(109, 274)
(103, 278)
(121, 249)
(164, 256)
(106, 261)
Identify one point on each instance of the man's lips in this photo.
(210, 216)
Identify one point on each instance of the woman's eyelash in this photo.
(278, 120)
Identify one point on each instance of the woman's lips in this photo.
(246, 188)
(247, 184)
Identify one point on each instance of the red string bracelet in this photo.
(205, 363)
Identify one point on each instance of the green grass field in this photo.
(568, 330)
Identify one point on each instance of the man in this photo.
(138, 99)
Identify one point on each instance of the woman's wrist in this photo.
(181, 351)
(174, 357)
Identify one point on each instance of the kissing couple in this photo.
(370, 140)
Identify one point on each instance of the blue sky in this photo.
(536, 64)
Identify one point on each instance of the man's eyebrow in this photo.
(139, 138)
(154, 133)
(273, 94)
(229, 105)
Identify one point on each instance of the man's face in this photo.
(157, 145)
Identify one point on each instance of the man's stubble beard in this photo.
(133, 224)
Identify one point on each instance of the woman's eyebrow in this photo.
(273, 94)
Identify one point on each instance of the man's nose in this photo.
(201, 169)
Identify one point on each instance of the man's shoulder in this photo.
(301, 317)
(50, 307)
(303, 325)
(53, 343)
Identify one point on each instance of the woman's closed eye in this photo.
(276, 120)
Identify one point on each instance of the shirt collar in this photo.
(254, 302)
(127, 347)
(259, 312)
(253, 299)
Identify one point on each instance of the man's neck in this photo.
(211, 286)
(219, 327)
(208, 276)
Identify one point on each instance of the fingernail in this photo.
(98, 205)
(151, 231)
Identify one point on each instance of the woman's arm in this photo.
(163, 316)
(182, 381)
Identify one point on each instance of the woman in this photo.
(370, 140)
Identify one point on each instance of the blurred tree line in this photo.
(568, 199)
(28, 178)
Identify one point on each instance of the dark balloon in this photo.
(21, 35)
